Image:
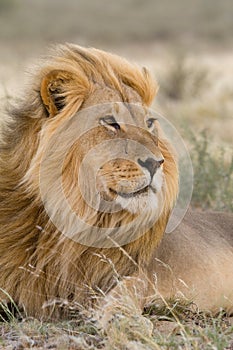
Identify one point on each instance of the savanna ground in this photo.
(188, 47)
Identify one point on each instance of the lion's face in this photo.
(130, 163)
(117, 155)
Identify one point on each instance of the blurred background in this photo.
(187, 45)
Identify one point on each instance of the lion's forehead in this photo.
(118, 101)
(132, 114)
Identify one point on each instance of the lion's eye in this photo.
(150, 122)
(110, 122)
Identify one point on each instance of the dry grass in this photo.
(175, 326)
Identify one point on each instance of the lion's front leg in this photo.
(126, 300)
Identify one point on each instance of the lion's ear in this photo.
(53, 88)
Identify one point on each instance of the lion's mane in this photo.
(38, 265)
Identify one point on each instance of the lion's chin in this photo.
(142, 202)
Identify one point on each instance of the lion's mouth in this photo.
(144, 190)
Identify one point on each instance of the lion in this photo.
(87, 112)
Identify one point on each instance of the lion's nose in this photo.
(151, 164)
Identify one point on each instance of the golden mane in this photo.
(86, 67)
(37, 263)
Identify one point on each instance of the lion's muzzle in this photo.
(121, 178)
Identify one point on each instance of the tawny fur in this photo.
(195, 262)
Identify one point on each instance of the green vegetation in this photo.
(213, 175)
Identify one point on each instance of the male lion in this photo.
(58, 243)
